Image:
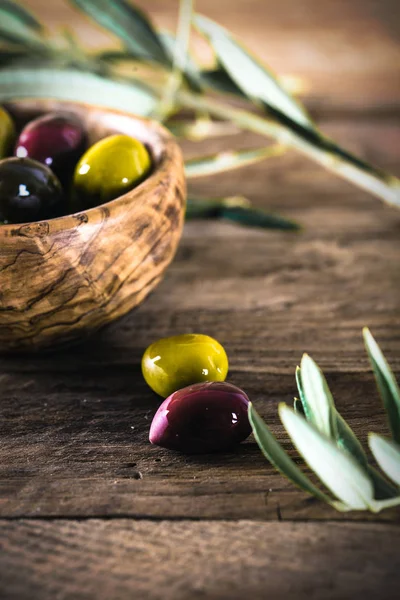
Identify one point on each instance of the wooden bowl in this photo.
(64, 278)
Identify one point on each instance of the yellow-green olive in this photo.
(176, 362)
(7, 133)
(110, 168)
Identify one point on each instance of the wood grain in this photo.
(65, 278)
(96, 560)
(74, 424)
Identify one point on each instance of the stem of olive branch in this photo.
(179, 59)
(384, 186)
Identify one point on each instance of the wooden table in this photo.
(89, 509)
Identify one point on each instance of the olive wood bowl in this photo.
(65, 278)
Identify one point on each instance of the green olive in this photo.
(7, 133)
(176, 362)
(109, 169)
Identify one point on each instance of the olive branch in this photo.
(153, 74)
(329, 446)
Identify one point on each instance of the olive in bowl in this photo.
(62, 279)
(57, 139)
(29, 191)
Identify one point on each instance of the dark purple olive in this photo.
(57, 140)
(29, 191)
(200, 418)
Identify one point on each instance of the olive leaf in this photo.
(20, 13)
(339, 471)
(237, 209)
(343, 435)
(298, 406)
(227, 161)
(200, 129)
(129, 24)
(316, 397)
(253, 78)
(188, 67)
(18, 27)
(387, 455)
(179, 57)
(386, 382)
(75, 86)
(274, 452)
(219, 80)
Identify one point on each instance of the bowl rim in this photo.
(71, 220)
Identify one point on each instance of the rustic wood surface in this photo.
(92, 267)
(89, 509)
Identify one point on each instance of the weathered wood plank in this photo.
(74, 425)
(96, 560)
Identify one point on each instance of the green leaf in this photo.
(276, 455)
(390, 503)
(387, 455)
(306, 408)
(346, 440)
(17, 31)
(229, 160)
(253, 217)
(253, 78)
(340, 473)
(219, 80)
(298, 406)
(114, 56)
(178, 51)
(190, 69)
(238, 210)
(317, 398)
(386, 382)
(20, 13)
(75, 86)
(129, 24)
(200, 129)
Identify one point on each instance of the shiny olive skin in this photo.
(175, 362)
(110, 168)
(57, 140)
(29, 191)
(7, 133)
(206, 417)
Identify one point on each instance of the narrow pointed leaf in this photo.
(340, 473)
(276, 455)
(256, 81)
(129, 24)
(298, 406)
(382, 504)
(15, 31)
(201, 129)
(238, 210)
(189, 68)
(227, 161)
(302, 397)
(346, 440)
(386, 382)
(320, 407)
(219, 80)
(254, 217)
(387, 455)
(75, 86)
(20, 13)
